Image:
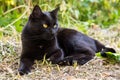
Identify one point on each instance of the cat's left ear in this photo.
(36, 12)
(54, 12)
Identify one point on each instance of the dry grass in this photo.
(96, 69)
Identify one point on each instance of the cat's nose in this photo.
(52, 32)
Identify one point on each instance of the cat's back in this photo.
(66, 33)
(72, 38)
(71, 34)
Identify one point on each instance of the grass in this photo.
(72, 14)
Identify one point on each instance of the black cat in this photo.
(42, 36)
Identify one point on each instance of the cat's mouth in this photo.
(50, 37)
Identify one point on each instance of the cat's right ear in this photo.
(36, 12)
(54, 12)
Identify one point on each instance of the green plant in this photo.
(111, 57)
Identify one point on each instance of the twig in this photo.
(13, 9)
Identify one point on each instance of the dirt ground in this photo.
(96, 69)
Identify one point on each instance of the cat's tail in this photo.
(106, 49)
(102, 49)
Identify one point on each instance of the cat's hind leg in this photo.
(81, 56)
(75, 58)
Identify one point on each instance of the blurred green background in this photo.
(80, 14)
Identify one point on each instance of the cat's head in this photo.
(43, 24)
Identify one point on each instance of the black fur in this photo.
(60, 45)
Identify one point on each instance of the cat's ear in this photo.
(54, 12)
(36, 12)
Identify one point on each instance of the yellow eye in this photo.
(55, 26)
(45, 25)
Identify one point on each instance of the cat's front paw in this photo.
(25, 66)
(23, 71)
